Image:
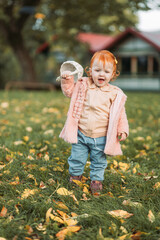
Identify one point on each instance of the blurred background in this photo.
(37, 36)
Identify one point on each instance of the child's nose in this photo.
(101, 73)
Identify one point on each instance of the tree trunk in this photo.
(25, 61)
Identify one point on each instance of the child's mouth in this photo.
(100, 80)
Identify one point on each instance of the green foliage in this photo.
(9, 68)
(34, 158)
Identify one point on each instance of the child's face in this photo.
(101, 75)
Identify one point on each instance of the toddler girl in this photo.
(96, 120)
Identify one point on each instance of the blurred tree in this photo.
(63, 19)
(13, 17)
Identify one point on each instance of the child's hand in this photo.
(122, 136)
(66, 75)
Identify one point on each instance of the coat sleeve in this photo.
(67, 86)
(123, 122)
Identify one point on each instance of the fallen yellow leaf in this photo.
(29, 229)
(26, 138)
(85, 190)
(68, 230)
(48, 214)
(58, 168)
(64, 192)
(63, 214)
(61, 205)
(74, 214)
(151, 216)
(41, 227)
(124, 166)
(75, 199)
(18, 142)
(3, 212)
(56, 218)
(120, 214)
(131, 204)
(157, 185)
(126, 236)
(62, 234)
(32, 177)
(42, 185)
(73, 228)
(53, 217)
(27, 192)
(78, 183)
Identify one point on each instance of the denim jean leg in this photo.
(78, 158)
(98, 159)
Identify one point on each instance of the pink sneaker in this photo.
(75, 178)
(96, 187)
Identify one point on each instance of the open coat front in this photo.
(117, 120)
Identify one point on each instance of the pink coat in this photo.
(117, 120)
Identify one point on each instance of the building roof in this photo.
(95, 41)
(98, 42)
(153, 38)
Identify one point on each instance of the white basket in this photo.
(75, 68)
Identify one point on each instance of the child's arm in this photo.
(67, 83)
(123, 128)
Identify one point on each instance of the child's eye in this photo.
(97, 70)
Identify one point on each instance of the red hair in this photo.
(105, 56)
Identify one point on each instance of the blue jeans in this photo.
(79, 155)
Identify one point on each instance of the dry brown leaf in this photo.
(3, 212)
(42, 185)
(120, 214)
(137, 235)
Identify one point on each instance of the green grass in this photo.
(34, 120)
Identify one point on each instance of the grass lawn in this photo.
(36, 200)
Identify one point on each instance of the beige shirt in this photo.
(95, 114)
